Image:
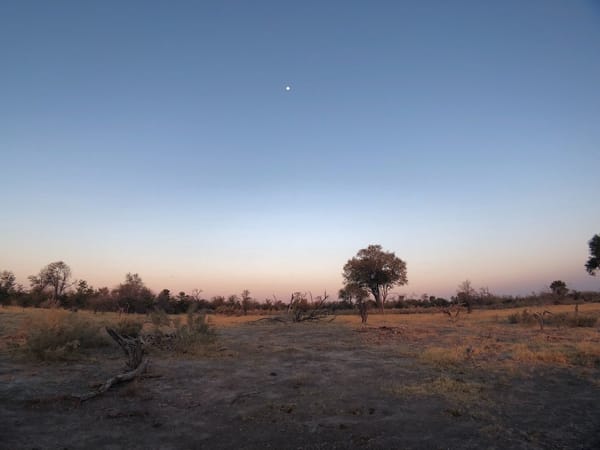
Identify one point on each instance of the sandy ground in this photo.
(402, 383)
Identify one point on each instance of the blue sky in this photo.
(158, 138)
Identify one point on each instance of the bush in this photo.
(159, 318)
(523, 317)
(129, 327)
(61, 336)
(196, 331)
(558, 319)
(583, 321)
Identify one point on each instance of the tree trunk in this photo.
(364, 312)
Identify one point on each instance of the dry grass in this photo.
(484, 338)
(443, 357)
(60, 335)
(462, 394)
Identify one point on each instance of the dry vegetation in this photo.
(481, 379)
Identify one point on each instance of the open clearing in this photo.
(405, 381)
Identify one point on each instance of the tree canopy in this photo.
(376, 270)
(593, 262)
(55, 275)
(559, 288)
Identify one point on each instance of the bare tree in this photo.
(55, 276)
(246, 300)
(465, 294)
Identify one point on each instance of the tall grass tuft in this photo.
(129, 327)
(196, 331)
(559, 319)
(61, 335)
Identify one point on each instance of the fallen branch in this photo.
(242, 395)
(134, 350)
(127, 376)
(132, 347)
(272, 319)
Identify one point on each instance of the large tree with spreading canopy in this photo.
(375, 270)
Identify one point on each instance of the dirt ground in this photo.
(416, 381)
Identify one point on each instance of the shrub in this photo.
(513, 318)
(128, 327)
(558, 319)
(61, 336)
(159, 318)
(585, 354)
(583, 321)
(196, 331)
(523, 317)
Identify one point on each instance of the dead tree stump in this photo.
(135, 366)
(132, 347)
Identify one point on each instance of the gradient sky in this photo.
(158, 138)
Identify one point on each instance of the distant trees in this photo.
(559, 288)
(375, 271)
(133, 295)
(368, 277)
(82, 295)
(7, 287)
(54, 276)
(593, 262)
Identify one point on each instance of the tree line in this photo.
(369, 278)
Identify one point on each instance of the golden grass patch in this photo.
(454, 389)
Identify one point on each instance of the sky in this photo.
(159, 138)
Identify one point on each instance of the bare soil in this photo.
(312, 386)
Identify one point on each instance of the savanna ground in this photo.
(404, 381)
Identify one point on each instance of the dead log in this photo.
(272, 319)
(127, 376)
(136, 364)
(131, 346)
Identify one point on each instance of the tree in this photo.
(7, 286)
(465, 294)
(233, 302)
(559, 288)
(246, 301)
(133, 294)
(593, 262)
(163, 301)
(55, 276)
(353, 293)
(376, 271)
(82, 295)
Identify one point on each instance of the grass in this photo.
(129, 327)
(444, 357)
(195, 333)
(61, 335)
(558, 319)
(484, 337)
(462, 395)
